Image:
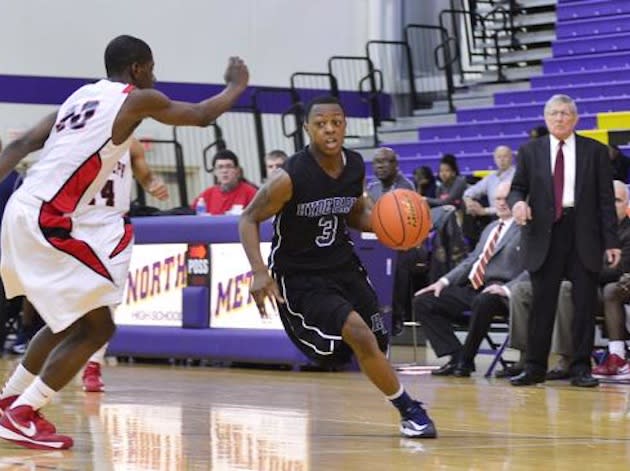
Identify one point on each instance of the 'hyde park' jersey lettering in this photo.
(310, 232)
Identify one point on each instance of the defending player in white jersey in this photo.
(110, 204)
(47, 254)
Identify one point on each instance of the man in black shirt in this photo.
(325, 300)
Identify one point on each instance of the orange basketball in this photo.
(401, 219)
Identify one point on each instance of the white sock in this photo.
(617, 347)
(99, 355)
(18, 382)
(397, 394)
(37, 395)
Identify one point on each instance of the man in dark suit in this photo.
(480, 283)
(562, 196)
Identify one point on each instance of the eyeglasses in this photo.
(225, 167)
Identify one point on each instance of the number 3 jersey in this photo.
(79, 155)
(310, 232)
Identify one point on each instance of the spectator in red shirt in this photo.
(230, 194)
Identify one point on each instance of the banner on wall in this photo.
(230, 302)
(153, 289)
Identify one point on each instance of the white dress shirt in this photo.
(568, 150)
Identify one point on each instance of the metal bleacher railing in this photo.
(394, 78)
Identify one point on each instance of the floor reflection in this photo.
(258, 439)
(171, 438)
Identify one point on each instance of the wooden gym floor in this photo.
(158, 417)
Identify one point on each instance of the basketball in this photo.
(401, 219)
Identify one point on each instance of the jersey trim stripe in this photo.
(315, 330)
(125, 240)
(56, 226)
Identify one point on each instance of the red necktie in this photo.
(558, 181)
(477, 278)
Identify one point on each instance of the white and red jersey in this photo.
(114, 198)
(79, 155)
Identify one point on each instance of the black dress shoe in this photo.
(557, 374)
(584, 380)
(527, 379)
(509, 372)
(463, 370)
(445, 370)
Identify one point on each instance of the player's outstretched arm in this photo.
(30, 141)
(150, 103)
(269, 200)
(153, 185)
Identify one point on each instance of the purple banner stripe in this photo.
(36, 90)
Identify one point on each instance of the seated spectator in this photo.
(274, 160)
(616, 294)
(478, 215)
(426, 184)
(620, 163)
(479, 284)
(487, 186)
(449, 193)
(230, 193)
(452, 184)
(388, 178)
(538, 131)
(562, 340)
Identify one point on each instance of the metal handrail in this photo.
(408, 59)
(218, 142)
(449, 58)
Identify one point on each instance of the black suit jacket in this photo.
(595, 217)
(608, 275)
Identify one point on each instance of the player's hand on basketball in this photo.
(436, 288)
(157, 188)
(263, 287)
(236, 73)
(521, 213)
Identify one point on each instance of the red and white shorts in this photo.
(65, 268)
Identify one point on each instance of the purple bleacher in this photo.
(533, 110)
(591, 44)
(457, 146)
(611, 60)
(590, 26)
(582, 77)
(591, 8)
(578, 92)
(511, 126)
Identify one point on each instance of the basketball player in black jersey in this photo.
(325, 300)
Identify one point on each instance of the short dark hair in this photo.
(539, 131)
(225, 155)
(451, 161)
(322, 100)
(123, 51)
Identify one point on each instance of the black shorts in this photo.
(316, 308)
